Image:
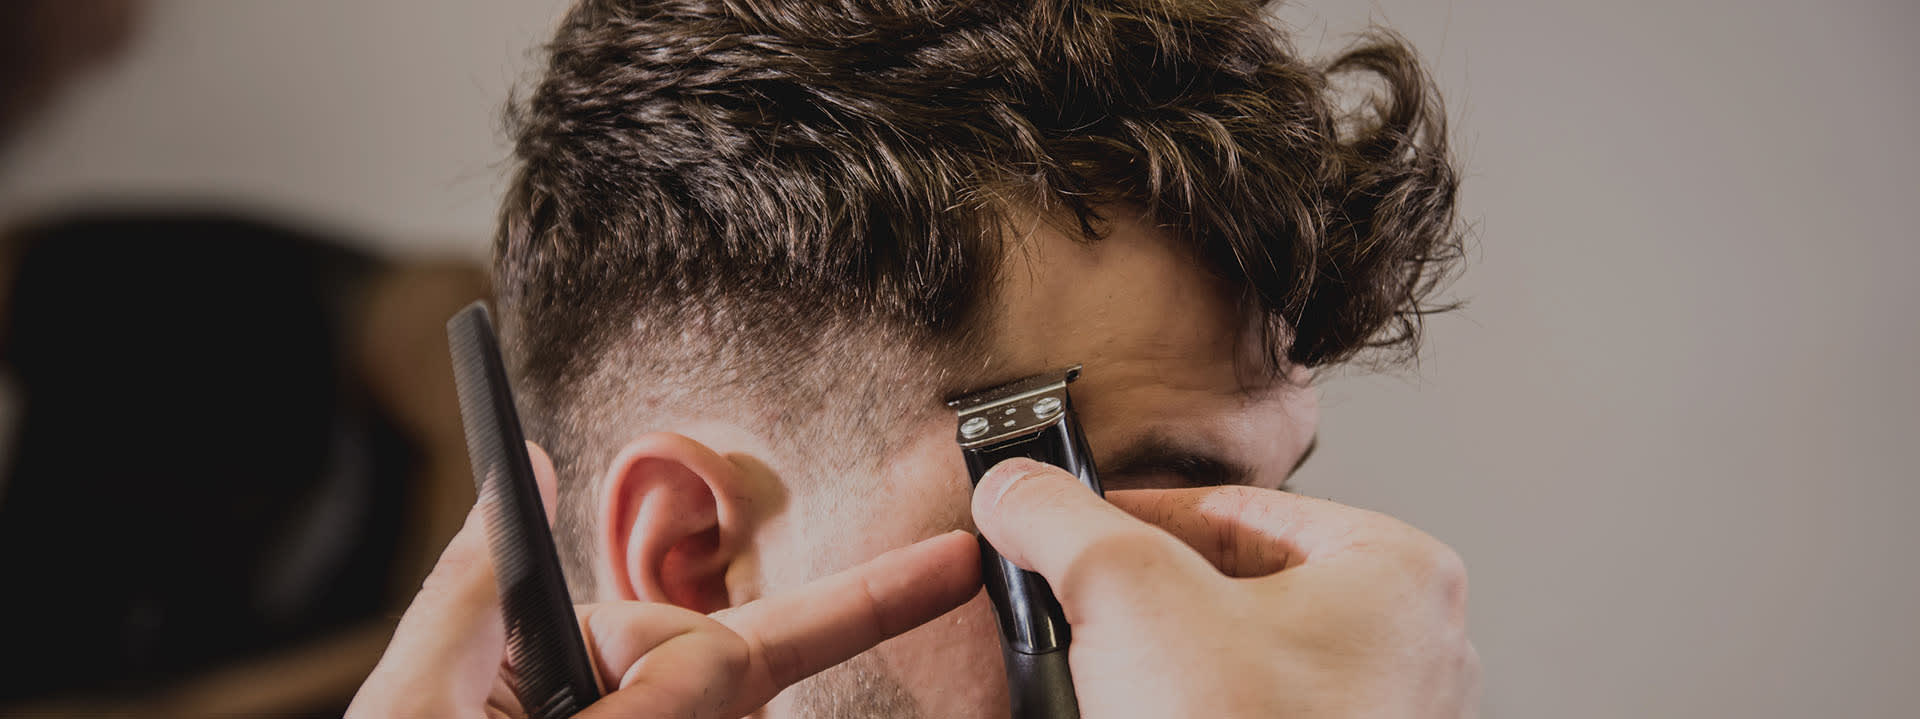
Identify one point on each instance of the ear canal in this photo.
(701, 566)
(665, 533)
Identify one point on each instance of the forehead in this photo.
(1131, 298)
(1167, 350)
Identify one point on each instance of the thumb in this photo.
(1094, 555)
(450, 641)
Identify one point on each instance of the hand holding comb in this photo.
(553, 677)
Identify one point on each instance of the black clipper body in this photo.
(1031, 418)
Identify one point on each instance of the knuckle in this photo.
(455, 567)
(731, 653)
(716, 657)
(1444, 565)
(1469, 660)
(1459, 671)
(1447, 574)
(783, 663)
(1428, 560)
(877, 611)
(1038, 489)
(1435, 572)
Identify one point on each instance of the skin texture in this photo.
(1165, 356)
(656, 659)
(1198, 601)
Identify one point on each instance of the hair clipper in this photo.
(1030, 418)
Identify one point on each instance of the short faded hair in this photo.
(718, 200)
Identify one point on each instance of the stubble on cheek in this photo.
(858, 689)
(897, 509)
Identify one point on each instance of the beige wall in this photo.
(382, 115)
(1673, 434)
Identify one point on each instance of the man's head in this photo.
(751, 247)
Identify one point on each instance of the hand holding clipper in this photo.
(1031, 418)
(1237, 601)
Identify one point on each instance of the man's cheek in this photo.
(952, 665)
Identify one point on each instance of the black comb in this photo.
(552, 675)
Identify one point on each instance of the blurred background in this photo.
(1673, 431)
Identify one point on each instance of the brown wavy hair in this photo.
(752, 172)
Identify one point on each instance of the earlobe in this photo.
(670, 522)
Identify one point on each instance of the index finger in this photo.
(1246, 531)
(800, 633)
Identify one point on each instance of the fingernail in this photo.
(1016, 467)
(1011, 472)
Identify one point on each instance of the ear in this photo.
(672, 522)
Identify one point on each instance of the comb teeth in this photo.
(551, 674)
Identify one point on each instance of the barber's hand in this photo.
(1239, 602)
(448, 656)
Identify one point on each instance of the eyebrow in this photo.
(1196, 467)
(1159, 454)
